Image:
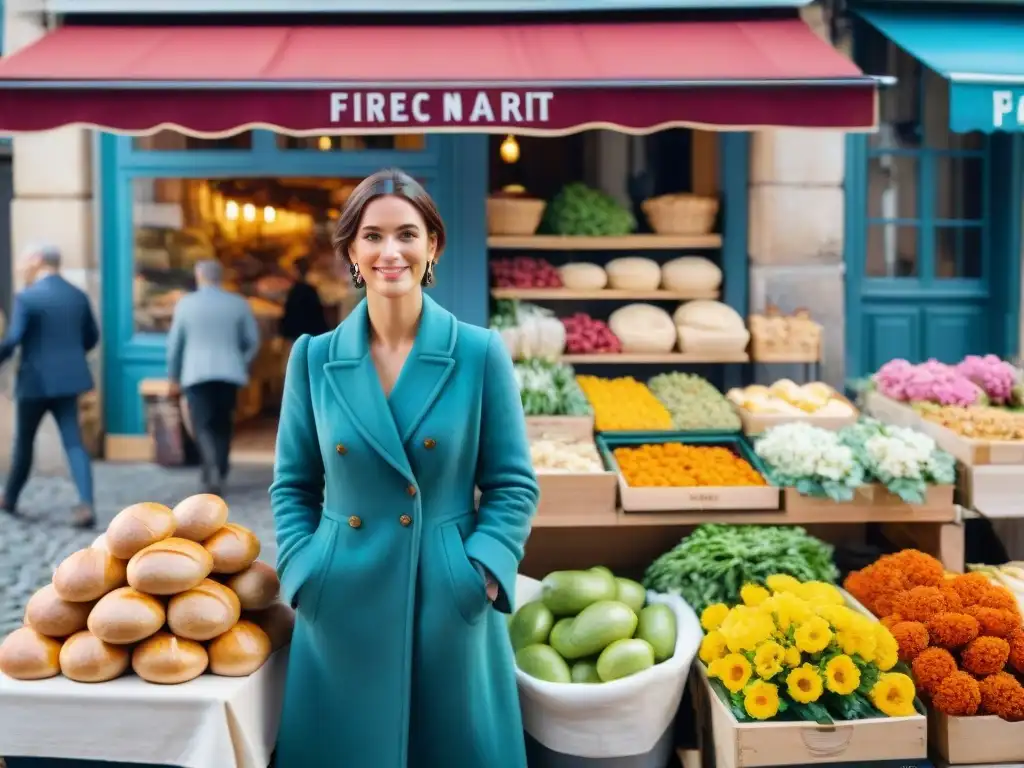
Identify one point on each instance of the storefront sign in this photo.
(1007, 110)
(440, 108)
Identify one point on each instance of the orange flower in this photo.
(1016, 640)
(957, 695)
(912, 638)
(918, 569)
(953, 601)
(952, 630)
(891, 620)
(970, 587)
(919, 603)
(1002, 695)
(931, 667)
(999, 597)
(994, 622)
(985, 656)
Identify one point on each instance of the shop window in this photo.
(257, 228)
(926, 186)
(413, 142)
(172, 141)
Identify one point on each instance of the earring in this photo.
(357, 279)
(428, 275)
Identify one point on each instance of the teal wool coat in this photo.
(398, 658)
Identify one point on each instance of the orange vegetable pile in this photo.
(624, 405)
(960, 633)
(674, 465)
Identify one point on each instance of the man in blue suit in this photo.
(55, 328)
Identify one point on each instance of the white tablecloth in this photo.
(210, 722)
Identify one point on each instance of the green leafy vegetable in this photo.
(550, 389)
(580, 210)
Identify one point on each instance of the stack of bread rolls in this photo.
(167, 593)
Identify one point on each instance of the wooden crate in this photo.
(891, 411)
(872, 504)
(979, 740)
(758, 423)
(577, 499)
(974, 453)
(568, 427)
(788, 743)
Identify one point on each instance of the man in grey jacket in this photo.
(212, 343)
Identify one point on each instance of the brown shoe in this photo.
(82, 516)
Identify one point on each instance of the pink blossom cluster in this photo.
(995, 377)
(931, 381)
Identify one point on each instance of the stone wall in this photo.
(52, 202)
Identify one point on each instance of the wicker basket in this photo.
(776, 338)
(681, 214)
(514, 215)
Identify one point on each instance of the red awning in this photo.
(543, 79)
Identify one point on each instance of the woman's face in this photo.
(392, 247)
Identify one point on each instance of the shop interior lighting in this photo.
(324, 143)
(269, 214)
(231, 210)
(249, 212)
(509, 150)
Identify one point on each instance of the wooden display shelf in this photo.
(604, 294)
(667, 358)
(623, 243)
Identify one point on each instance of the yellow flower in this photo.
(768, 659)
(887, 650)
(893, 695)
(753, 594)
(788, 609)
(793, 656)
(734, 671)
(813, 636)
(715, 668)
(746, 628)
(839, 616)
(761, 700)
(712, 616)
(804, 684)
(820, 593)
(712, 647)
(842, 676)
(782, 582)
(859, 638)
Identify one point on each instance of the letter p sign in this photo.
(1002, 105)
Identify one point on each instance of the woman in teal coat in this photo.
(400, 655)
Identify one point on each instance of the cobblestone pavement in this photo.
(34, 543)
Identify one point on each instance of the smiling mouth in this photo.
(390, 271)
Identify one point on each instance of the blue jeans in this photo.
(28, 416)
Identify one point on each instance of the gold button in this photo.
(341, 449)
(429, 443)
(355, 522)
(405, 520)
(411, 490)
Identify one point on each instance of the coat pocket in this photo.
(468, 586)
(321, 550)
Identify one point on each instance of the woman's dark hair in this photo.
(389, 181)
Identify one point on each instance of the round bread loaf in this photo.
(203, 612)
(170, 566)
(27, 655)
(100, 542)
(49, 615)
(85, 658)
(169, 660)
(257, 586)
(138, 526)
(277, 621)
(240, 651)
(198, 517)
(126, 616)
(234, 548)
(88, 575)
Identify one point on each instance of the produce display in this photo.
(633, 273)
(524, 272)
(583, 276)
(1009, 575)
(694, 403)
(975, 380)
(786, 398)
(624, 405)
(643, 329)
(583, 211)
(586, 336)
(714, 562)
(774, 333)
(794, 650)
(550, 389)
(528, 330)
(976, 422)
(676, 465)
(591, 627)
(691, 273)
(167, 593)
(552, 454)
(960, 633)
(810, 459)
(708, 327)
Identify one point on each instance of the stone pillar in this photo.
(796, 233)
(53, 202)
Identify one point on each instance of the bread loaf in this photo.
(169, 660)
(643, 328)
(240, 651)
(257, 586)
(633, 273)
(709, 316)
(85, 658)
(49, 615)
(27, 655)
(170, 566)
(126, 616)
(100, 542)
(138, 526)
(692, 273)
(203, 612)
(198, 517)
(234, 548)
(583, 276)
(277, 621)
(88, 575)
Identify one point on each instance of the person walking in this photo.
(303, 310)
(388, 424)
(210, 347)
(53, 325)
